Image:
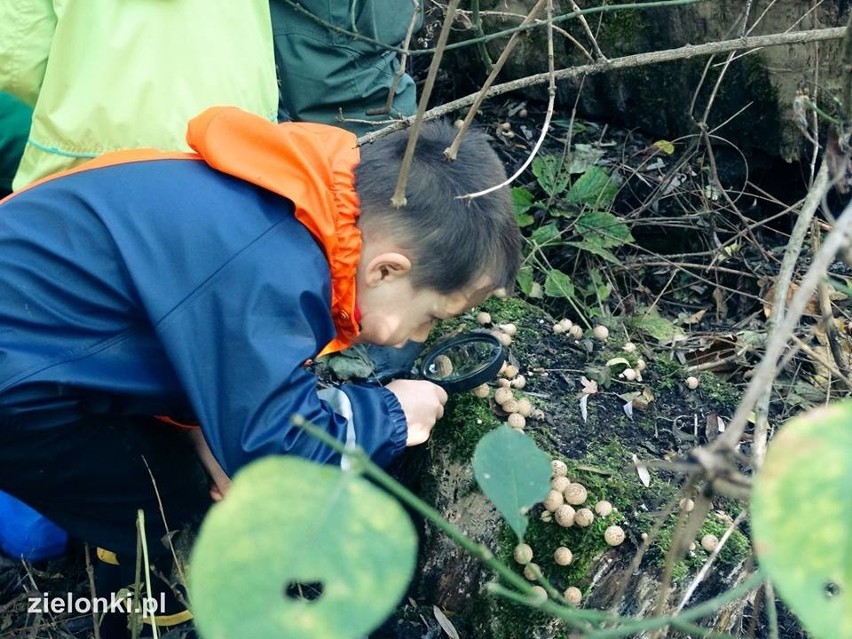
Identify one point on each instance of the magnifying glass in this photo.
(462, 362)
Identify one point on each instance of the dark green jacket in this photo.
(15, 118)
(323, 71)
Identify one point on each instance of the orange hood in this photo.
(311, 165)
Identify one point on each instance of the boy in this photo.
(197, 286)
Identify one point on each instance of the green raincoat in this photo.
(116, 74)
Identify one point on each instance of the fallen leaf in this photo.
(590, 387)
(642, 470)
(445, 623)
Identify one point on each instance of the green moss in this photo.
(467, 420)
(719, 390)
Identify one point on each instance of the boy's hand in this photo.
(423, 405)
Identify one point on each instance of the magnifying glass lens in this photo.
(463, 362)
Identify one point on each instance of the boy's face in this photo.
(393, 311)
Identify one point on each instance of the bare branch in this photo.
(640, 59)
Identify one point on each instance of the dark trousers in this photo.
(92, 476)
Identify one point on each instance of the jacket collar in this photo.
(311, 165)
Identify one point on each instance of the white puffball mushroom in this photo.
(537, 414)
(573, 595)
(517, 421)
(686, 505)
(575, 494)
(525, 407)
(628, 347)
(644, 536)
(553, 500)
(509, 329)
(558, 328)
(546, 516)
(483, 318)
(640, 365)
(692, 382)
(614, 535)
(503, 382)
(566, 324)
(481, 391)
(559, 483)
(510, 405)
(584, 517)
(509, 371)
(532, 571)
(603, 508)
(558, 468)
(564, 516)
(576, 331)
(563, 556)
(458, 123)
(709, 542)
(523, 113)
(523, 554)
(519, 382)
(504, 339)
(629, 374)
(503, 395)
(600, 333)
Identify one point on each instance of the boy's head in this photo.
(440, 254)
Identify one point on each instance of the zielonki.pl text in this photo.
(117, 602)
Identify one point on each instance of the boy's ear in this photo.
(386, 267)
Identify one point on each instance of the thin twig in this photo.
(90, 573)
(702, 573)
(765, 372)
(452, 152)
(398, 198)
(545, 127)
(403, 60)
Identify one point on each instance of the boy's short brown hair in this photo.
(452, 242)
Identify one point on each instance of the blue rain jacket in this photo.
(164, 286)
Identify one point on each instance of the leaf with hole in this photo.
(801, 512)
(513, 473)
(302, 551)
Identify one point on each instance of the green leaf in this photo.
(648, 321)
(353, 363)
(513, 473)
(594, 188)
(583, 157)
(558, 284)
(550, 173)
(546, 234)
(523, 201)
(289, 524)
(802, 518)
(589, 245)
(607, 230)
(525, 279)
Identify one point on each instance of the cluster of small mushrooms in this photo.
(510, 382)
(559, 506)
